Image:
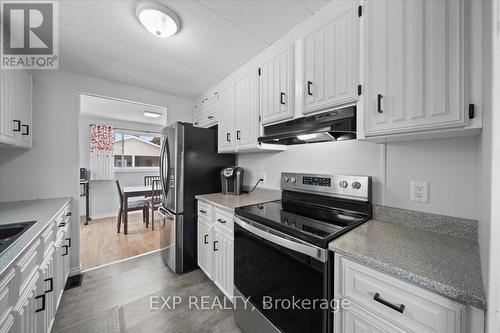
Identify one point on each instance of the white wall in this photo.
(50, 168)
(450, 166)
(103, 198)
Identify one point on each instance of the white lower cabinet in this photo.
(30, 291)
(382, 303)
(216, 247)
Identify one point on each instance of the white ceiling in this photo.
(102, 38)
(100, 107)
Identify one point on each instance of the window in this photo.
(133, 150)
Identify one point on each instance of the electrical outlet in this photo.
(420, 191)
(263, 177)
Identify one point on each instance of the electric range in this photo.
(281, 249)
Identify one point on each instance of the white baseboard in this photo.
(122, 260)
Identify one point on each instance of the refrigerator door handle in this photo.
(163, 175)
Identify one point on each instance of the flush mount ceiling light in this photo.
(157, 19)
(151, 114)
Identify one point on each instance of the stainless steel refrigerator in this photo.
(189, 165)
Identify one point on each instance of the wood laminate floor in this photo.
(101, 244)
(117, 298)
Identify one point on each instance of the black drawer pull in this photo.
(66, 248)
(17, 127)
(51, 280)
(379, 103)
(43, 303)
(205, 239)
(379, 299)
(203, 211)
(27, 130)
(215, 249)
(309, 84)
(238, 135)
(68, 214)
(62, 224)
(69, 241)
(210, 117)
(228, 137)
(282, 98)
(221, 220)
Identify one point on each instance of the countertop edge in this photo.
(45, 223)
(450, 292)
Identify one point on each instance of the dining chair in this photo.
(154, 201)
(134, 204)
(148, 180)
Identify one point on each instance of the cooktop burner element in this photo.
(315, 208)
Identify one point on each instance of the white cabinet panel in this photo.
(277, 93)
(205, 254)
(247, 111)
(223, 247)
(331, 63)
(226, 112)
(205, 112)
(414, 66)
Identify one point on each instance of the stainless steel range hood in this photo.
(335, 125)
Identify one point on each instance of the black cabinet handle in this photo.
(195, 123)
(215, 249)
(62, 224)
(69, 241)
(17, 124)
(26, 130)
(203, 211)
(228, 137)
(65, 253)
(379, 103)
(309, 84)
(43, 303)
(51, 280)
(68, 214)
(379, 299)
(205, 239)
(238, 135)
(282, 98)
(221, 221)
(210, 117)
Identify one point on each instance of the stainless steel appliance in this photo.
(232, 180)
(281, 249)
(337, 125)
(189, 165)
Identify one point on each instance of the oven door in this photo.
(271, 266)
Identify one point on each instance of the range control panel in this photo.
(346, 186)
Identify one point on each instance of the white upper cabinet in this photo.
(277, 93)
(331, 61)
(226, 111)
(205, 112)
(16, 90)
(247, 111)
(414, 66)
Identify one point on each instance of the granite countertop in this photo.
(41, 211)
(441, 257)
(230, 202)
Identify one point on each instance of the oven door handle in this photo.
(308, 250)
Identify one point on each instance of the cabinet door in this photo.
(277, 88)
(413, 55)
(24, 315)
(247, 111)
(25, 107)
(223, 248)
(331, 62)
(226, 115)
(46, 286)
(7, 121)
(205, 246)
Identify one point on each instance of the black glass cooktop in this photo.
(311, 222)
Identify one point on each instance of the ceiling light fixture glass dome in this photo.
(157, 19)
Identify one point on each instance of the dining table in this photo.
(133, 191)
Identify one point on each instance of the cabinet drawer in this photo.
(205, 210)
(224, 220)
(6, 295)
(48, 237)
(415, 309)
(27, 264)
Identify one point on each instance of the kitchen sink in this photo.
(9, 233)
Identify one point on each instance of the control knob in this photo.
(343, 184)
(293, 180)
(356, 185)
(285, 179)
